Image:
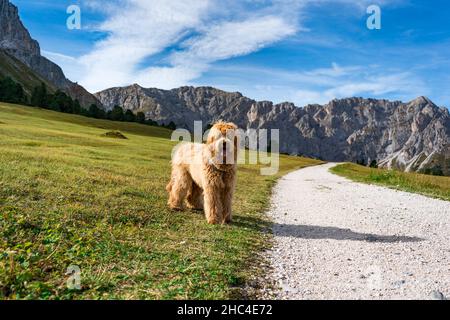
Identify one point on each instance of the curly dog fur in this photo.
(204, 175)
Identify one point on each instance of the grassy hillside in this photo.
(434, 186)
(69, 195)
(20, 73)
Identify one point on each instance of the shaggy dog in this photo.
(204, 175)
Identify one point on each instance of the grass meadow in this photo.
(433, 186)
(70, 195)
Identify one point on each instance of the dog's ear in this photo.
(214, 134)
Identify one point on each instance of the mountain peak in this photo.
(422, 100)
(16, 41)
(13, 35)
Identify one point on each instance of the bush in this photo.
(172, 126)
(374, 164)
(129, 116)
(96, 112)
(115, 135)
(116, 114)
(434, 171)
(151, 123)
(39, 96)
(11, 91)
(140, 117)
(361, 162)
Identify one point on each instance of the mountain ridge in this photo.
(411, 136)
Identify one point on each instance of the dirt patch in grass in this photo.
(115, 135)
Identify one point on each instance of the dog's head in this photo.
(223, 142)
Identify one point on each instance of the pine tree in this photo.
(76, 107)
(117, 114)
(172, 126)
(129, 116)
(140, 117)
(12, 92)
(39, 96)
(94, 111)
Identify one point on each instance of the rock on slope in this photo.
(15, 41)
(410, 136)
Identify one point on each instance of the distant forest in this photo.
(12, 92)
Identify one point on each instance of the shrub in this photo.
(11, 91)
(116, 114)
(39, 96)
(374, 164)
(115, 135)
(140, 117)
(129, 116)
(172, 126)
(434, 171)
(96, 112)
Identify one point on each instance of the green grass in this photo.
(69, 195)
(433, 186)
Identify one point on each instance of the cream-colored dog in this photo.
(204, 175)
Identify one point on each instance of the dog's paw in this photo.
(193, 208)
(212, 221)
(176, 209)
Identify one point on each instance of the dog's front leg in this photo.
(229, 180)
(227, 201)
(213, 205)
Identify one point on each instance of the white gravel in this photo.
(337, 239)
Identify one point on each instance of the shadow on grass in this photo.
(254, 223)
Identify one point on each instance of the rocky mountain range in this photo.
(413, 136)
(17, 45)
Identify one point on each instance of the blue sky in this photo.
(303, 51)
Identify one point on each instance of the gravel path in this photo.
(337, 239)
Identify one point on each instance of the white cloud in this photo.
(137, 29)
(323, 84)
(194, 34)
(366, 83)
(199, 31)
(219, 42)
(235, 38)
